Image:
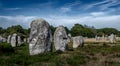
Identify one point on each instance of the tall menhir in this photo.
(40, 37)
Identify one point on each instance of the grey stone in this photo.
(78, 41)
(112, 38)
(40, 37)
(60, 39)
(2, 39)
(28, 40)
(9, 39)
(69, 38)
(14, 40)
(19, 41)
(25, 40)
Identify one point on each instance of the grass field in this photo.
(89, 55)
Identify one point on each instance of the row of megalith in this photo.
(41, 38)
(111, 38)
(16, 40)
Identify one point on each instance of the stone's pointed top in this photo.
(61, 26)
(39, 20)
(14, 34)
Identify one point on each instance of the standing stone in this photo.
(19, 40)
(78, 41)
(9, 39)
(4, 39)
(28, 40)
(69, 38)
(14, 40)
(25, 40)
(112, 38)
(40, 37)
(1, 39)
(103, 37)
(98, 38)
(60, 39)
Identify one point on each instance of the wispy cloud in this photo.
(68, 7)
(12, 9)
(105, 4)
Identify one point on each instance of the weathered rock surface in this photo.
(14, 40)
(40, 37)
(60, 39)
(78, 41)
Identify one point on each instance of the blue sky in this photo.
(97, 13)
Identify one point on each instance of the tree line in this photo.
(76, 30)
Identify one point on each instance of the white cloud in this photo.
(91, 20)
(98, 13)
(101, 21)
(6, 21)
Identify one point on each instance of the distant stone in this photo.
(78, 41)
(98, 38)
(2, 39)
(19, 41)
(14, 40)
(112, 38)
(28, 40)
(9, 39)
(40, 37)
(25, 40)
(69, 38)
(60, 39)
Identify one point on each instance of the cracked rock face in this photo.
(14, 40)
(60, 39)
(78, 41)
(40, 37)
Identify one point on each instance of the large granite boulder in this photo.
(60, 39)
(14, 40)
(78, 41)
(9, 39)
(40, 37)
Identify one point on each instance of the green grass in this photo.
(85, 56)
